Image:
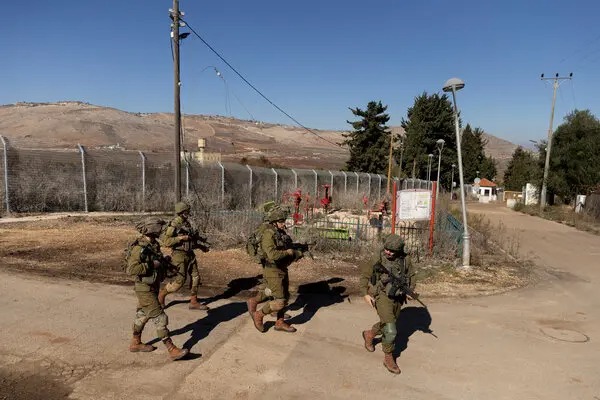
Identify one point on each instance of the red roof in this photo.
(486, 183)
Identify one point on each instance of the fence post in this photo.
(331, 191)
(345, 181)
(222, 183)
(432, 217)
(357, 180)
(6, 194)
(394, 205)
(276, 192)
(379, 193)
(295, 179)
(85, 196)
(250, 183)
(187, 177)
(316, 184)
(143, 157)
(369, 190)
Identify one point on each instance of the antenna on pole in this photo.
(555, 84)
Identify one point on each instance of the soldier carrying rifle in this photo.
(183, 239)
(146, 263)
(386, 285)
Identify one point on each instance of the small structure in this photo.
(486, 190)
(204, 157)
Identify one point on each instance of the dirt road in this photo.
(70, 338)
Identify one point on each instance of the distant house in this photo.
(485, 190)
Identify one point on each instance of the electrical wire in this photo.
(255, 89)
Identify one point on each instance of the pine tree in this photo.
(475, 163)
(522, 169)
(370, 139)
(429, 119)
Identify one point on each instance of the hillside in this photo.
(65, 124)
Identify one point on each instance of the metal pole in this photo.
(331, 184)
(6, 193)
(466, 237)
(437, 187)
(357, 179)
(295, 179)
(222, 183)
(316, 183)
(250, 184)
(275, 172)
(430, 157)
(389, 175)
(143, 180)
(345, 181)
(369, 190)
(187, 178)
(175, 15)
(379, 193)
(452, 181)
(85, 196)
(555, 85)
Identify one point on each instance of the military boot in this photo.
(196, 305)
(390, 363)
(162, 295)
(281, 325)
(136, 344)
(251, 303)
(368, 336)
(174, 352)
(257, 318)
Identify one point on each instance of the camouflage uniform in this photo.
(146, 263)
(376, 283)
(277, 254)
(182, 256)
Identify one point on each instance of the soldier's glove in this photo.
(298, 255)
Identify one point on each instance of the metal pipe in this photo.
(143, 180)
(222, 183)
(85, 196)
(250, 188)
(276, 192)
(6, 193)
(295, 179)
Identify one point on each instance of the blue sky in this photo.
(314, 58)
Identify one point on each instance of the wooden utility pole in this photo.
(175, 15)
(555, 85)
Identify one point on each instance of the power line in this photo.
(256, 90)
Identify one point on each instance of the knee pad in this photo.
(140, 321)
(174, 286)
(389, 333)
(277, 304)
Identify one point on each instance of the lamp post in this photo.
(440, 146)
(453, 85)
(430, 157)
(452, 181)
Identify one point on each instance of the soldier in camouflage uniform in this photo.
(176, 236)
(376, 288)
(277, 255)
(146, 263)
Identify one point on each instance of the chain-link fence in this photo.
(81, 179)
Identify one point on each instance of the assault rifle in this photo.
(148, 256)
(197, 241)
(399, 283)
(303, 248)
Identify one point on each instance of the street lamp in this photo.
(430, 157)
(440, 147)
(452, 85)
(452, 181)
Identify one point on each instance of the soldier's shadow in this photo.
(234, 287)
(411, 320)
(313, 296)
(201, 328)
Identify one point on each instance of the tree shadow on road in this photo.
(411, 319)
(313, 296)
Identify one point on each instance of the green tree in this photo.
(370, 139)
(522, 168)
(575, 156)
(428, 120)
(475, 163)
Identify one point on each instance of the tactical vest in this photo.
(383, 281)
(148, 254)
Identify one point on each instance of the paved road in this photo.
(541, 342)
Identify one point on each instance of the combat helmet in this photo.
(394, 243)
(181, 207)
(277, 215)
(151, 226)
